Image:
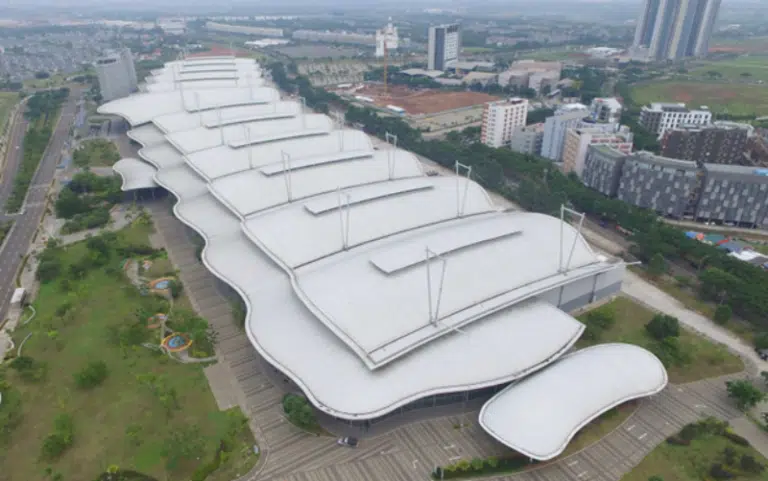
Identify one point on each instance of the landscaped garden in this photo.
(91, 393)
(96, 153)
(86, 201)
(686, 355)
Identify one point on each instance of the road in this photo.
(23, 231)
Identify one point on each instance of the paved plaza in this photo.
(410, 452)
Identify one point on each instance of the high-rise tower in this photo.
(675, 29)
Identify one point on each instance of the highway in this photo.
(23, 231)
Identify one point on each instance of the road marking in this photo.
(450, 446)
(631, 428)
(642, 436)
(582, 474)
(454, 458)
(699, 406)
(573, 463)
(415, 462)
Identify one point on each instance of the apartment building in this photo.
(606, 110)
(527, 139)
(734, 194)
(577, 140)
(602, 169)
(444, 45)
(660, 117)
(718, 143)
(555, 127)
(500, 119)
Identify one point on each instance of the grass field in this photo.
(131, 420)
(737, 99)
(707, 359)
(735, 69)
(96, 153)
(7, 101)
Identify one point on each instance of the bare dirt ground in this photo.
(425, 101)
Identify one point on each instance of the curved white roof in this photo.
(184, 120)
(190, 74)
(135, 174)
(147, 135)
(539, 415)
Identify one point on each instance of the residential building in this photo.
(327, 36)
(531, 74)
(386, 37)
(667, 186)
(500, 119)
(660, 117)
(718, 143)
(757, 148)
(244, 29)
(556, 126)
(606, 110)
(577, 140)
(116, 74)
(527, 139)
(602, 169)
(734, 194)
(444, 45)
(675, 29)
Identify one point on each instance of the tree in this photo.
(663, 326)
(761, 340)
(183, 443)
(744, 393)
(722, 314)
(657, 266)
(656, 478)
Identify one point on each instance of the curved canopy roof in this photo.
(539, 415)
(135, 174)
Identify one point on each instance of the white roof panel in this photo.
(223, 84)
(135, 173)
(184, 120)
(147, 135)
(251, 191)
(182, 181)
(291, 165)
(539, 415)
(162, 156)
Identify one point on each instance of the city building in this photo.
(117, 74)
(577, 140)
(660, 117)
(527, 139)
(556, 126)
(244, 29)
(500, 119)
(606, 110)
(734, 194)
(602, 169)
(386, 38)
(327, 36)
(265, 183)
(718, 143)
(757, 148)
(444, 45)
(675, 29)
(531, 74)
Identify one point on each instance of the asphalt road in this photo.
(27, 221)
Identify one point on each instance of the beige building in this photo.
(578, 140)
(501, 118)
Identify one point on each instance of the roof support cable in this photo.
(287, 174)
(563, 210)
(392, 142)
(344, 199)
(461, 197)
(434, 303)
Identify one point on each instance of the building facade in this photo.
(660, 117)
(350, 38)
(244, 29)
(556, 126)
(719, 143)
(116, 74)
(602, 169)
(606, 110)
(444, 45)
(675, 29)
(577, 141)
(735, 195)
(500, 119)
(386, 38)
(527, 139)
(757, 148)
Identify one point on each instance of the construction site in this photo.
(416, 102)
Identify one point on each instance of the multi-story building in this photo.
(757, 148)
(602, 169)
(667, 186)
(719, 143)
(244, 29)
(386, 38)
(675, 29)
(527, 139)
(531, 74)
(577, 140)
(350, 38)
(606, 110)
(116, 74)
(734, 194)
(660, 117)
(555, 127)
(444, 45)
(500, 119)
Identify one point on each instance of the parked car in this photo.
(347, 441)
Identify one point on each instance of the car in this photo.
(762, 353)
(347, 441)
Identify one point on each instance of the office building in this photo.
(531, 74)
(660, 117)
(386, 37)
(675, 29)
(602, 169)
(116, 74)
(606, 110)
(500, 119)
(444, 46)
(577, 140)
(527, 139)
(555, 127)
(718, 143)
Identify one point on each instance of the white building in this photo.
(386, 36)
(606, 110)
(527, 139)
(578, 140)
(244, 29)
(556, 126)
(500, 119)
(116, 74)
(660, 117)
(329, 36)
(444, 46)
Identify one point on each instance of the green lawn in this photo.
(96, 153)
(707, 359)
(125, 421)
(7, 101)
(737, 99)
(732, 70)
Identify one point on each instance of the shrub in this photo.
(670, 352)
(744, 393)
(750, 464)
(477, 464)
(60, 439)
(91, 375)
(299, 411)
(717, 471)
(29, 369)
(741, 441)
(723, 314)
(761, 340)
(175, 286)
(10, 411)
(663, 326)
